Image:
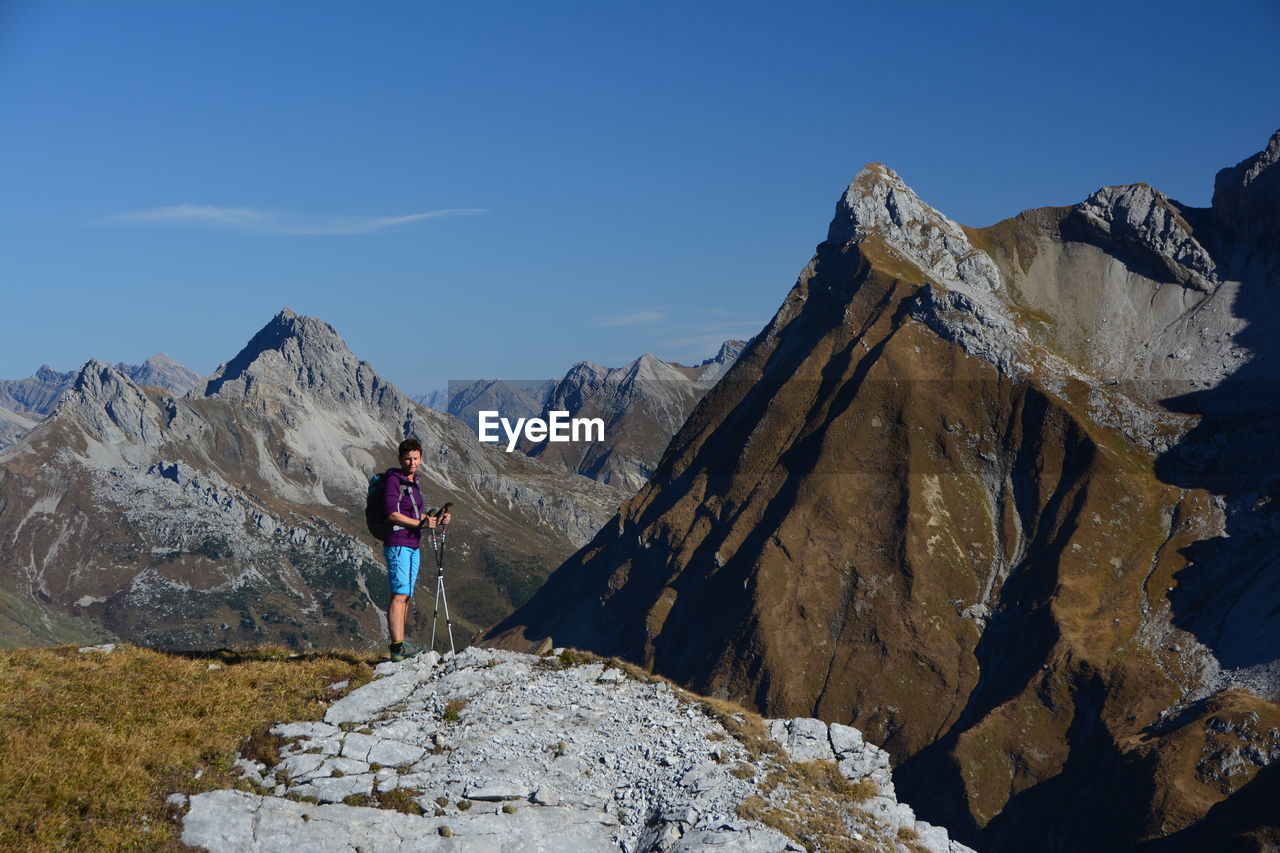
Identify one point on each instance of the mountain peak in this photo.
(878, 202)
(107, 403)
(48, 374)
(290, 352)
(713, 368)
(161, 359)
(164, 371)
(95, 376)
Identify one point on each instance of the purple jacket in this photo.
(403, 496)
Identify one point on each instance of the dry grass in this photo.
(745, 726)
(573, 657)
(811, 802)
(403, 800)
(453, 710)
(94, 743)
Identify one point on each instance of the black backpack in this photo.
(375, 514)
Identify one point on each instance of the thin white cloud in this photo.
(275, 222)
(635, 318)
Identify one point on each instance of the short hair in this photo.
(408, 446)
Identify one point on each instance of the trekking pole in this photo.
(440, 529)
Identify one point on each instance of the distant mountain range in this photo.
(234, 514)
(25, 402)
(1003, 498)
(642, 406)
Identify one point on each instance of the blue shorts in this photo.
(402, 568)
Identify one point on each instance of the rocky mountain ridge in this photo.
(642, 405)
(1000, 498)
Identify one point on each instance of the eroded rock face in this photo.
(503, 751)
(997, 497)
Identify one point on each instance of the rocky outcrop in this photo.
(997, 497)
(711, 369)
(502, 751)
(1141, 222)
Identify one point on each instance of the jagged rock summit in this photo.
(303, 357)
(38, 393)
(1002, 499)
(499, 751)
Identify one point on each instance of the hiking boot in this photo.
(407, 650)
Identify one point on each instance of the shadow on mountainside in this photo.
(1228, 595)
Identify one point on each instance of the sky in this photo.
(488, 189)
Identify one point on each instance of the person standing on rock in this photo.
(402, 500)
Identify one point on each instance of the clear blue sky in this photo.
(501, 189)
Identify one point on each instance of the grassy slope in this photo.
(93, 743)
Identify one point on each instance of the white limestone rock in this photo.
(378, 695)
(546, 757)
(879, 202)
(805, 738)
(1145, 218)
(307, 730)
(844, 739)
(496, 791)
(334, 790)
(393, 753)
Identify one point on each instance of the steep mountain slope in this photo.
(999, 497)
(234, 513)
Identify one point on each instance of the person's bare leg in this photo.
(396, 612)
